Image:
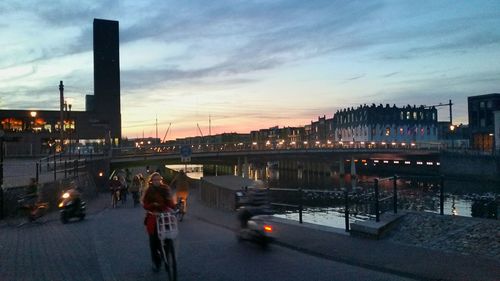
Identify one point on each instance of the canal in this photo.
(324, 202)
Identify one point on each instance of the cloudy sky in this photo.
(252, 64)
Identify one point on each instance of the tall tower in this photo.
(106, 101)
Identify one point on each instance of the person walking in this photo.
(156, 198)
(135, 187)
(181, 185)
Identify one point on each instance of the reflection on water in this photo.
(192, 171)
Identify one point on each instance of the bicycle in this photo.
(180, 209)
(166, 227)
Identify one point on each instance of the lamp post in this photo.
(70, 130)
(452, 136)
(1, 172)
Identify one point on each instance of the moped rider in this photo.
(257, 203)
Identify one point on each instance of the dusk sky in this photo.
(252, 64)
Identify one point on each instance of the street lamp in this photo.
(452, 130)
(33, 115)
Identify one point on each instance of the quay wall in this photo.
(480, 167)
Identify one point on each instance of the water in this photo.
(461, 198)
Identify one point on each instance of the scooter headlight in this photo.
(65, 195)
(61, 205)
(268, 228)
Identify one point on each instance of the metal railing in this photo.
(381, 204)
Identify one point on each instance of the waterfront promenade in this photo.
(422, 247)
(111, 245)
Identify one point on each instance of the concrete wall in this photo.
(220, 192)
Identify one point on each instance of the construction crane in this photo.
(444, 104)
(201, 133)
(166, 133)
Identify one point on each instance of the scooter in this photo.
(258, 230)
(71, 205)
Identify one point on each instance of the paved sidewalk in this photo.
(381, 255)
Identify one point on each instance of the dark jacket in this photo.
(160, 195)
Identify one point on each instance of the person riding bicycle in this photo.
(114, 186)
(256, 203)
(181, 185)
(157, 198)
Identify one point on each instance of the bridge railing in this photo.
(240, 146)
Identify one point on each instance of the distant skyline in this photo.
(252, 64)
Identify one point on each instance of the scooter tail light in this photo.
(268, 228)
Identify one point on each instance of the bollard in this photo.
(346, 214)
(395, 194)
(76, 168)
(300, 205)
(65, 168)
(377, 213)
(441, 196)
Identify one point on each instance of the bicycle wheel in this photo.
(169, 259)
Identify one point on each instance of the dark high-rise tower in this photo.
(106, 101)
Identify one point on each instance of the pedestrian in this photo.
(157, 198)
(123, 188)
(135, 186)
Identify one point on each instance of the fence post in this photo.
(395, 195)
(36, 175)
(346, 213)
(441, 196)
(55, 167)
(377, 211)
(76, 168)
(300, 205)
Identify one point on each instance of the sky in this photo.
(226, 66)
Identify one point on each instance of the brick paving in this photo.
(92, 249)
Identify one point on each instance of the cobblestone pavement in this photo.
(468, 236)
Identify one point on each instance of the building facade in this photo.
(482, 120)
(38, 131)
(386, 124)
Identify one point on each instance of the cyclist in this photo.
(156, 198)
(114, 186)
(181, 184)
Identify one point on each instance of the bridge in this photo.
(361, 155)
